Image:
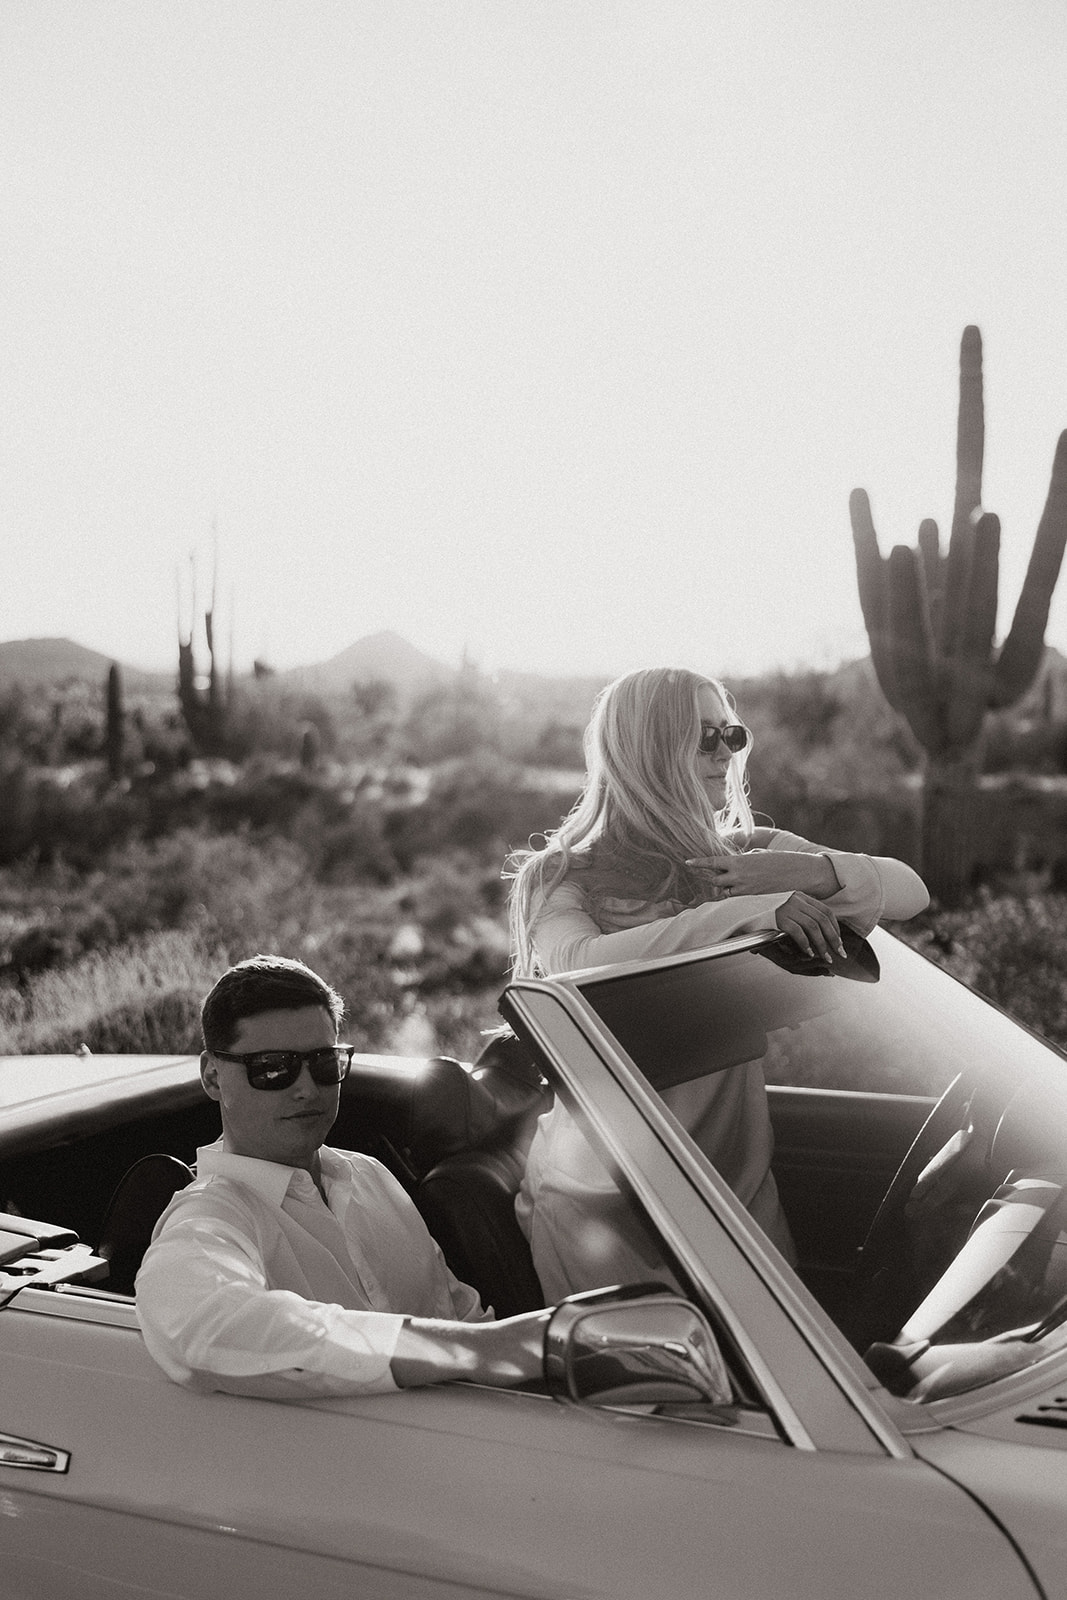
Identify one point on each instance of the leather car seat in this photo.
(467, 1198)
(468, 1203)
(140, 1198)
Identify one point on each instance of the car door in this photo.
(448, 1492)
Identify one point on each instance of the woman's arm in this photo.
(862, 890)
(567, 939)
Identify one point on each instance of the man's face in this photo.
(283, 1125)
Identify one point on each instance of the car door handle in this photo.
(37, 1457)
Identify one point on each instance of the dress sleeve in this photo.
(873, 888)
(566, 938)
(211, 1322)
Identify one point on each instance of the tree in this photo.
(931, 619)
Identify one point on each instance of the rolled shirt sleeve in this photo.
(211, 1320)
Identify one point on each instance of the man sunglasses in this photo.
(734, 736)
(279, 1069)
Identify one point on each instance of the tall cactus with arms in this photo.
(931, 618)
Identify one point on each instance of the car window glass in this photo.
(963, 1272)
(589, 1230)
(874, 1022)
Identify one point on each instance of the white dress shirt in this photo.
(256, 1285)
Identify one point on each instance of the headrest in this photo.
(430, 1109)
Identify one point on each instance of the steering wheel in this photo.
(950, 1117)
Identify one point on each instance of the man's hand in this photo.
(505, 1354)
(770, 872)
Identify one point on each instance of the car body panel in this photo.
(461, 1490)
(45, 1097)
(1023, 1486)
(1014, 1461)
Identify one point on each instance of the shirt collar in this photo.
(269, 1179)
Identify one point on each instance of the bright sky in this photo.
(560, 331)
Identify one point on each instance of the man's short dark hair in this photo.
(263, 983)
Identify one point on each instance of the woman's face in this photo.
(712, 769)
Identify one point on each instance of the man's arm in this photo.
(211, 1322)
(504, 1354)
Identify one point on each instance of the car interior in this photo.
(455, 1138)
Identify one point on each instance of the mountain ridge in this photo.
(52, 662)
(55, 661)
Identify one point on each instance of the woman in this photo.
(659, 855)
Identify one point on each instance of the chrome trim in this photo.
(33, 1457)
(77, 1303)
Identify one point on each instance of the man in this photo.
(291, 1270)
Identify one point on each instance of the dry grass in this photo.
(144, 997)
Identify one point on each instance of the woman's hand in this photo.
(770, 872)
(812, 927)
(809, 924)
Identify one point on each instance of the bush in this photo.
(483, 808)
(167, 916)
(143, 997)
(1012, 950)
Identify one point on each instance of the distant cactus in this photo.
(116, 724)
(931, 619)
(206, 712)
(310, 747)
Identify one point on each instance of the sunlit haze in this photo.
(558, 333)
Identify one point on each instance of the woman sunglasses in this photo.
(734, 736)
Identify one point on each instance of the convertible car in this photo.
(888, 1419)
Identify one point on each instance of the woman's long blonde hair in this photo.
(642, 801)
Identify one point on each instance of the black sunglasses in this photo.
(734, 736)
(279, 1069)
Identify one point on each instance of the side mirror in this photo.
(637, 1345)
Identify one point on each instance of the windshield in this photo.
(962, 1274)
(884, 1020)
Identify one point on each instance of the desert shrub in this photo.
(558, 744)
(222, 886)
(45, 814)
(452, 722)
(484, 807)
(1014, 744)
(447, 892)
(1012, 950)
(143, 997)
(230, 896)
(448, 1024)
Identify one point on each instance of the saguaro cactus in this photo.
(116, 723)
(931, 620)
(205, 711)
